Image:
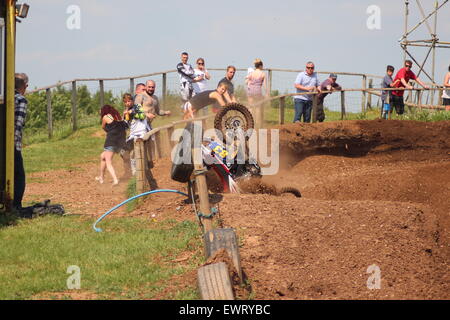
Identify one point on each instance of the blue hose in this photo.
(132, 198)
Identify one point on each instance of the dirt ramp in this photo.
(358, 137)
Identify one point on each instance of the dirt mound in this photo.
(374, 193)
(359, 137)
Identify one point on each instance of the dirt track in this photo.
(374, 192)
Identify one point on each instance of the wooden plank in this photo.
(214, 282)
(74, 107)
(281, 110)
(363, 96)
(342, 105)
(132, 86)
(140, 165)
(314, 108)
(164, 88)
(102, 93)
(49, 113)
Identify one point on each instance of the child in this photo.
(386, 96)
(138, 123)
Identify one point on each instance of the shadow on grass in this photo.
(8, 219)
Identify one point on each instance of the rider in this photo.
(206, 98)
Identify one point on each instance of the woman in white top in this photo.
(446, 93)
(202, 75)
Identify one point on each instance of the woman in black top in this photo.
(206, 98)
(115, 129)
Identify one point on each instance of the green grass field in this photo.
(131, 259)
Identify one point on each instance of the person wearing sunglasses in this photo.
(306, 81)
(201, 76)
(404, 75)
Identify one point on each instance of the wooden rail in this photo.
(365, 97)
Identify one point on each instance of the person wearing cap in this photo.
(329, 84)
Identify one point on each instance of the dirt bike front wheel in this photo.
(233, 117)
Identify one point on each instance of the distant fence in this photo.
(280, 82)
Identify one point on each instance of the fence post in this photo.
(369, 95)
(164, 88)
(102, 93)
(281, 110)
(314, 108)
(132, 86)
(364, 93)
(74, 107)
(410, 99)
(140, 165)
(202, 188)
(419, 99)
(158, 151)
(49, 113)
(342, 105)
(170, 131)
(440, 99)
(270, 83)
(167, 144)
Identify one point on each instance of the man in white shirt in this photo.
(306, 81)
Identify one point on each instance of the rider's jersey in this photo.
(186, 72)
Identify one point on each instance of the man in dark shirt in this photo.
(329, 84)
(231, 70)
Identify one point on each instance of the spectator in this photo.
(150, 102)
(187, 77)
(446, 92)
(386, 96)
(255, 80)
(140, 87)
(20, 113)
(329, 84)
(404, 75)
(231, 70)
(115, 129)
(306, 81)
(202, 75)
(136, 118)
(219, 96)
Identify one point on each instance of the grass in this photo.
(131, 192)
(130, 259)
(77, 148)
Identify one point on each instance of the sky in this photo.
(121, 38)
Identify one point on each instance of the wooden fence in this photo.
(365, 86)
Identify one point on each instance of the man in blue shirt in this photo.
(306, 81)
